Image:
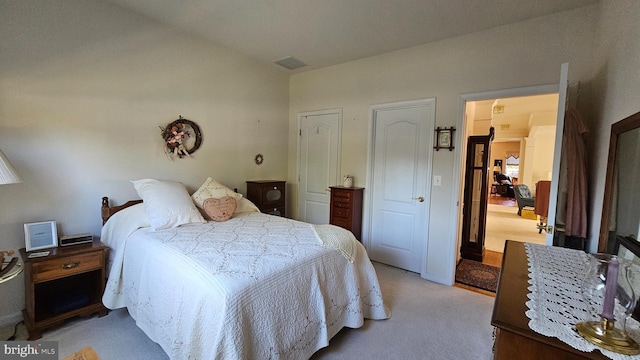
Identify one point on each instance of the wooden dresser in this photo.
(268, 196)
(514, 339)
(346, 208)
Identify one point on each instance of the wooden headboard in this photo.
(107, 211)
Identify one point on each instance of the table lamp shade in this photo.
(8, 174)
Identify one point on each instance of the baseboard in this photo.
(11, 319)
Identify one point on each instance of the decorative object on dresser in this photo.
(68, 282)
(347, 181)
(346, 208)
(608, 292)
(268, 196)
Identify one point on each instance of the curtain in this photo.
(575, 149)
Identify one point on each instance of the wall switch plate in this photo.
(437, 180)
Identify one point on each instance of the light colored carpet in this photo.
(503, 223)
(428, 321)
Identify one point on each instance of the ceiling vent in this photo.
(290, 63)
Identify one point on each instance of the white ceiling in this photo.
(522, 115)
(328, 32)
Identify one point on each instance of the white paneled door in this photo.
(318, 156)
(402, 155)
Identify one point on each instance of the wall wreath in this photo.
(259, 159)
(182, 137)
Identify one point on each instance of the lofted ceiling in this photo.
(322, 33)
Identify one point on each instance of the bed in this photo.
(253, 286)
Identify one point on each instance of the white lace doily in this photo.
(555, 300)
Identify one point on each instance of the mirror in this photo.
(622, 188)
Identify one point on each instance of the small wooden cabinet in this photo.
(346, 208)
(268, 196)
(68, 282)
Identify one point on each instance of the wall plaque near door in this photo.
(444, 138)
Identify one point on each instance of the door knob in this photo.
(419, 198)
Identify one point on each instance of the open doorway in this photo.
(521, 155)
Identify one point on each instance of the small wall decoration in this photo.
(444, 138)
(259, 159)
(182, 137)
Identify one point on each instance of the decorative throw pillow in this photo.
(220, 209)
(212, 189)
(166, 203)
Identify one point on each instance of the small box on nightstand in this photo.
(76, 239)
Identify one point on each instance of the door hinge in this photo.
(549, 229)
(300, 132)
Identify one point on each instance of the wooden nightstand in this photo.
(268, 196)
(346, 208)
(67, 283)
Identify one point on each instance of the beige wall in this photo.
(523, 54)
(615, 82)
(84, 87)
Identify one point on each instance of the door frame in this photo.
(458, 167)
(337, 111)
(367, 198)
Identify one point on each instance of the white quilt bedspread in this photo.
(253, 287)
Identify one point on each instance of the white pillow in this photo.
(166, 203)
(244, 205)
(212, 189)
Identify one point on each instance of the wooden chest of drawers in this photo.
(346, 208)
(268, 196)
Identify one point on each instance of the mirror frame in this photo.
(622, 126)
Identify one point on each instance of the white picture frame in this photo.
(40, 235)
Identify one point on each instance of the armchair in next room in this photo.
(523, 197)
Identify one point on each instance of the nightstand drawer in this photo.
(65, 266)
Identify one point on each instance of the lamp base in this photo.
(603, 334)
